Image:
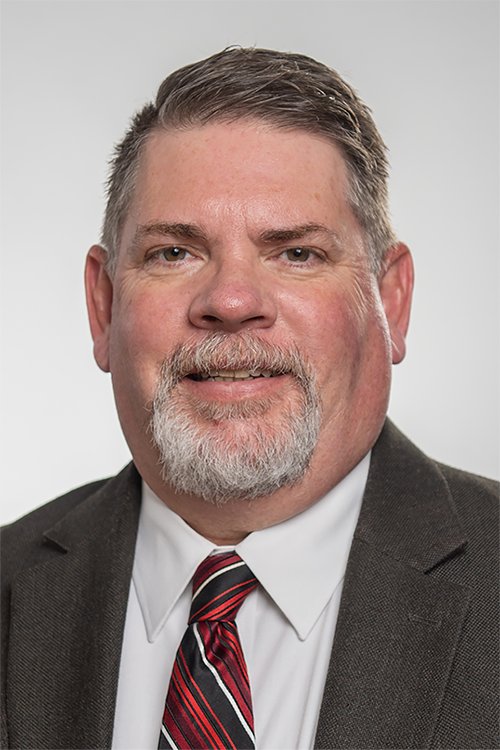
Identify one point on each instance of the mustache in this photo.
(229, 351)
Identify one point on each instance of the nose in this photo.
(234, 298)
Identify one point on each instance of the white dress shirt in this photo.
(286, 624)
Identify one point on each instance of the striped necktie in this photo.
(208, 702)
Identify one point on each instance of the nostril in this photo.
(210, 319)
(225, 309)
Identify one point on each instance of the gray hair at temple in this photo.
(286, 90)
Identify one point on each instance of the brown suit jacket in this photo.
(414, 662)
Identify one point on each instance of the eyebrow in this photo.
(297, 233)
(164, 228)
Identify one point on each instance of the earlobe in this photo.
(99, 293)
(396, 288)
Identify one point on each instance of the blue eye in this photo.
(300, 254)
(173, 253)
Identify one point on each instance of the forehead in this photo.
(244, 172)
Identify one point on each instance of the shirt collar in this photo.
(299, 562)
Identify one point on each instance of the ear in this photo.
(396, 288)
(99, 292)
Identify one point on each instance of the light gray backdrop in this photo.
(73, 73)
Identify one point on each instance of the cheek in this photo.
(342, 349)
(143, 331)
(344, 335)
(327, 324)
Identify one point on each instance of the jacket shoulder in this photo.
(476, 501)
(65, 581)
(20, 540)
(466, 487)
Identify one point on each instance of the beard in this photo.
(235, 450)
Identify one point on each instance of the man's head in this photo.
(243, 323)
(284, 90)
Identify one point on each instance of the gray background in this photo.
(74, 72)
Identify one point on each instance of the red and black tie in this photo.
(208, 702)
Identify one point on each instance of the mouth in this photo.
(232, 376)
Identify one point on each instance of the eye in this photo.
(300, 254)
(173, 253)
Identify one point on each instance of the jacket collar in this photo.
(408, 511)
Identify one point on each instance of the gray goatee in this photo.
(252, 453)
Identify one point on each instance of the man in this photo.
(248, 298)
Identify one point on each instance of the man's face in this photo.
(244, 230)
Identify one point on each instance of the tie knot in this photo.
(220, 586)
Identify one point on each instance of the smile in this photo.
(231, 376)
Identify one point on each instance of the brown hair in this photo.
(288, 91)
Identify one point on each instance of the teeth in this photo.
(228, 376)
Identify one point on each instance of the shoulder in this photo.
(394, 450)
(438, 518)
(27, 541)
(411, 498)
(467, 485)
(477, 503)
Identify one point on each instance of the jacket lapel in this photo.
(67, 620)
(398, 626)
